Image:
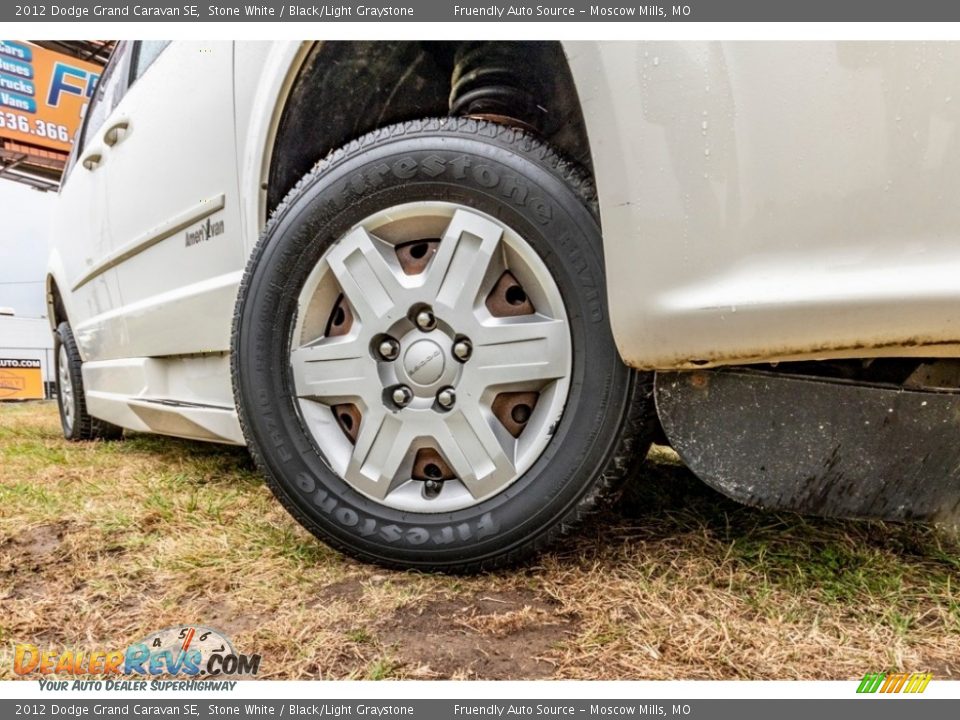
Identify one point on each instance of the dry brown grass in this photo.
(101, 544)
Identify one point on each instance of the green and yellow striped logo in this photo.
(894, 683)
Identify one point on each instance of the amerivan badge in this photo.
(208, 230)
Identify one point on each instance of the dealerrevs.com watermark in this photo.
(190, 651)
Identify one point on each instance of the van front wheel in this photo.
(423, 363)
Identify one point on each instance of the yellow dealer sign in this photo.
(21, 380)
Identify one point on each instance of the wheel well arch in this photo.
(56, 310)
(345, 89)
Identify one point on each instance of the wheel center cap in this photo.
(424, 362)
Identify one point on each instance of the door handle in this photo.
(92, 161)
(117, 132)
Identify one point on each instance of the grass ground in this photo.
(102, 543)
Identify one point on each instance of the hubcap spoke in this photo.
(382, 445)
(66, 386)
(470, 245)
(367, 280)
(475, 453)
(521, 352)
(333, 370)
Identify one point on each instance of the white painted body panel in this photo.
(79, 241)
(265, 73)
(174, 170)
(760, 202)
(772, 201)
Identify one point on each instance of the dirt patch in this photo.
(941, 668)
(36, 543)
(24, 588)
(491, 636)
(349, 590)
(26, 556)
(228, 617)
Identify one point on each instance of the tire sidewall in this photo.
(521, 191)
(63, 338)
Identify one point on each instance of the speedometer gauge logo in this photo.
(189, 650)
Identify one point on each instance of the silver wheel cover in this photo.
(66, 387)
(519, 354)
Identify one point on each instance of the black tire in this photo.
(609, 414)
(78, 424)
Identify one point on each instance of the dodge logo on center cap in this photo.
(423, 362)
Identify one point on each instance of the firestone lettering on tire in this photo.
(485, 526)
(512, 187)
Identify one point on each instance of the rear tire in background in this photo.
(422, 358)
(76, 422)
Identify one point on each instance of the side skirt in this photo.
(187, 396)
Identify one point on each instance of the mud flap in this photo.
(817, 446)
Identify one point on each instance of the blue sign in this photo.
(18, 102)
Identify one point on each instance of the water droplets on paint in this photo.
(704, 125)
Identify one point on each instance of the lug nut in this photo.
(462, 350)
(389, 349)
(425, 320)
(401, 395)
(446, 398)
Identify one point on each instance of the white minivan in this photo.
(447, 293)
